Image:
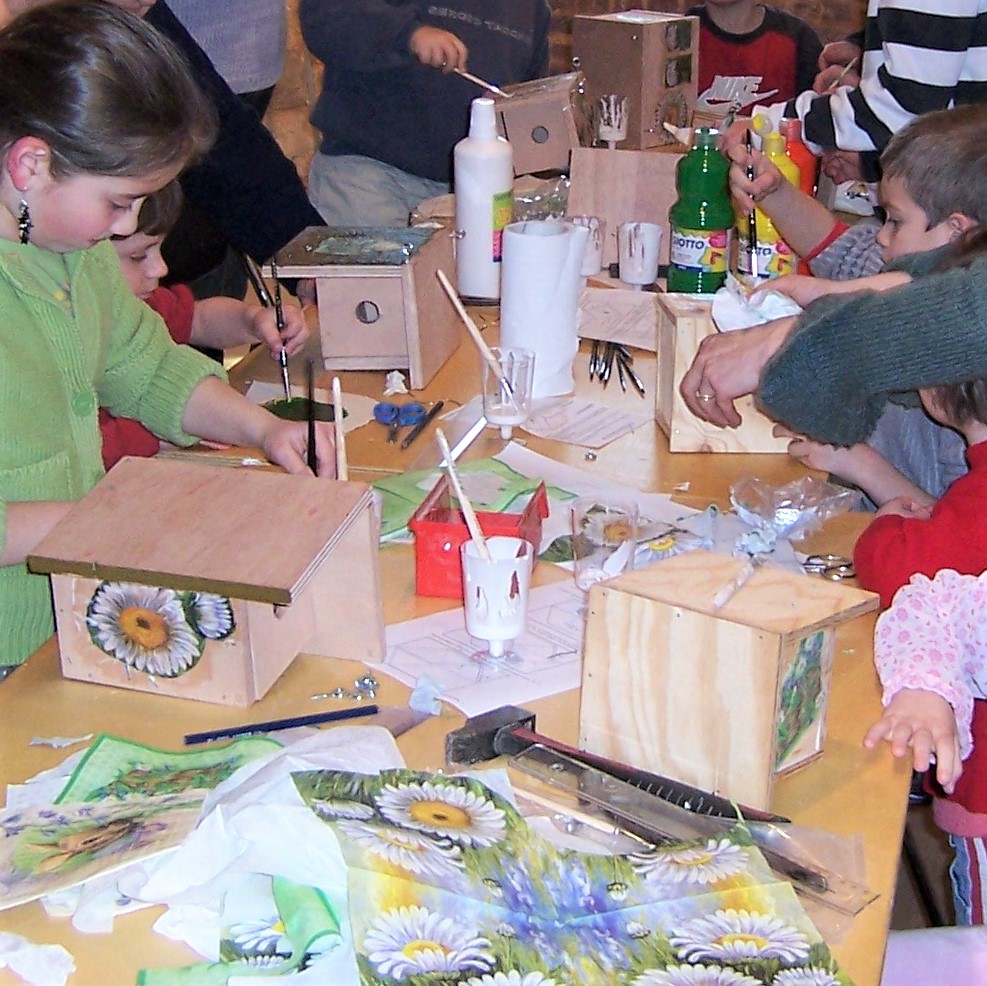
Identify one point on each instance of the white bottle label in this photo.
(700, 249)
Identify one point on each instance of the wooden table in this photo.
(847, 791)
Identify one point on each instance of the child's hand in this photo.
(438, 48)
(801, 288)
(264, 327)
(813, 455)
(923, 722)
(286, 443)
(747, 192)
(905, 506)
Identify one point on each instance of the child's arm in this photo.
(26, 524)
(858, 464)
(217, 412)
(221, 323)
(805, 289)
(921, 721)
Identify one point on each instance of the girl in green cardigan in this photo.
(96, 112)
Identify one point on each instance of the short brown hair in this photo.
(160, 210)
(941, 159)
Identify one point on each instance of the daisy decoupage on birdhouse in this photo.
(199, 581)
(448, 883)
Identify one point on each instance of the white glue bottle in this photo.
(483, 182)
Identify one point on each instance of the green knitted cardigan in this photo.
(72, 338)
(849, 354)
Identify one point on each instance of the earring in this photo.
(24, 224)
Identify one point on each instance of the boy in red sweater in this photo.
(214, 323)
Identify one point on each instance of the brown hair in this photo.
(941, 159)
(105, 91)
(966, 400)
(160, 210)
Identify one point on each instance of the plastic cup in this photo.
(604, 538)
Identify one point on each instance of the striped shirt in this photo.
(919, 55)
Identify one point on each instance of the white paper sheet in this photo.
(580, 422)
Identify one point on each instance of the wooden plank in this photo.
(622, 187)
(180, 524)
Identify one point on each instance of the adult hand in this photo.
(841, 166)
(727, 366)
(923, 722)
(833, 59)
(286, 442)
(767, 178)
(438, 48)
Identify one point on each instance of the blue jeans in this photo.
(350, 190)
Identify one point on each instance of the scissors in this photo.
(836, 568)
(396, 416)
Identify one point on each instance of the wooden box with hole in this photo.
(202, 582)
(543, 120)
(726, 699)
(649, 58)
(684, 320)
(381, 306)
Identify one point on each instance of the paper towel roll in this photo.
(540, 298)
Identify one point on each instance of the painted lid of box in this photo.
(241, 532)
(351, 246)
(774, 599)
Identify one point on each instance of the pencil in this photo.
(273, 725)
(311, 453)
(422, 425)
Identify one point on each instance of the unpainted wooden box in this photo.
(624, 187)
(684, 320)
(381, 306)
(204, 582)
(650, 58)
(542, 120)
(724, 699)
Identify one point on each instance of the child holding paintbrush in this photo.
(99, 112)
(213, 323)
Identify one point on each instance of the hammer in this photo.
(510, 729)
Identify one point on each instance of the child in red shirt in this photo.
(214, 323)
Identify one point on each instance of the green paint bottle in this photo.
(701, 219)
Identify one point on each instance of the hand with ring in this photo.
(728, 365)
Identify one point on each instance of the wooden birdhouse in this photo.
(726, 699)
(684, 320)
(543, 120)
(381, 306)
(204, 582)
(650, 59)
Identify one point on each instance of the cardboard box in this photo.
(204, 582)
(381, 306)
(440, 530)
(624, 187)
(543, 120)
(649, 58)
(725, 699)
(684, 320)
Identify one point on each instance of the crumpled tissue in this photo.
(734, 307)
(40, 965)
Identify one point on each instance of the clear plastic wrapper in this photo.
(547, 200)
(794, 510)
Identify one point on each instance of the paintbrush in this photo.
(467, 508)
(743, 576)
(485, 351)
(752, 215)
(482, 83)
(342, 471)
(847, 69)
(256, 279)
(311, 453)
(279, 319)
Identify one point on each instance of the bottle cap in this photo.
(483, 119)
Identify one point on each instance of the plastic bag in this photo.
(792, 511)
(547, 200)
